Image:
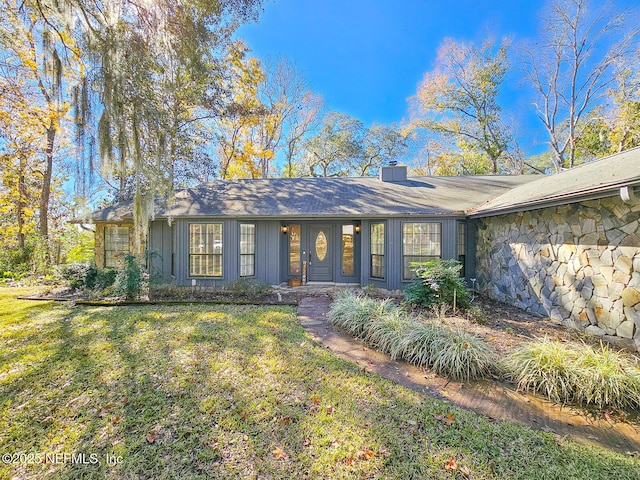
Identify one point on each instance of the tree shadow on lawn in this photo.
(195, 392)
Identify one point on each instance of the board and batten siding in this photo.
(267, 258)
(271, 254)
(393, 248)
(160, 249)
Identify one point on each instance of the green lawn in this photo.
(232, 392)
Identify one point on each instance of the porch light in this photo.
(357, 228)
(284, 229)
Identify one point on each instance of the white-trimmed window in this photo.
(377, 250)
(116, 242)
(205, 249)
(247, 249)
(420, 242)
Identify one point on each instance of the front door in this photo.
(321, 253)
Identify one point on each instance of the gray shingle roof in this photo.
(330, 197)
(598, 178)
(335, 197)
(478, 196)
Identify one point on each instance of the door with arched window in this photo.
(321, 253)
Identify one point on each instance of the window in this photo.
(461, 246)
(420, 243)
(247, 250)
(294, 249)
(205, 250)
(377, 250)
(347, 250)
(116, 242)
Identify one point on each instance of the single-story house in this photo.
(566, 246)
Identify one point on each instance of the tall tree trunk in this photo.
(46, 191)
(22, 196)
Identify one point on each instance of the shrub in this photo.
(250, 288)
(477, 315)
(104, 278)
(80, 276)
(544, 367)
(81, 253)
(438, 282)
(77, 276)
(577, 373)
(129, 280)
(606, 378)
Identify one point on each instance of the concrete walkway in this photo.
(492, 399)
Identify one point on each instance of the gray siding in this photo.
(159, 251)
(393, 248)
(268, 251)
(271, 255)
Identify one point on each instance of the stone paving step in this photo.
(496, 400)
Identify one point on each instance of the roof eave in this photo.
(591, 194)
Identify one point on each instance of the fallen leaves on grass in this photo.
(279, 454)
(366, 454)
(449, 419)
(153, 435)
(451, 464)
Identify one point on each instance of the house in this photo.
(565, 246)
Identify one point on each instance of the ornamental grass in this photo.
(577, 373)
(390, 329)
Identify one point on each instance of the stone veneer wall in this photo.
(578, 264)
(98, 248)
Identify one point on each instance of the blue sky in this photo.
(367, 57)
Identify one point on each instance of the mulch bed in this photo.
(508, 327)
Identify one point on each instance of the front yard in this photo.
(231, 392)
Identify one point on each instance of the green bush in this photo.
(104, 278)
(82, 253)
(389, 328)
(12, 275)
(129, 280)
(578, 373)
(81, 276)
(78, 276)
(250, 288)
(438, 282)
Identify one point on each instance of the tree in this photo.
(238, 154)
(380, 144)
(458, 99)
(40, 57)
(337, 147)
(291, 110)
(159, 73)
(572, 68)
